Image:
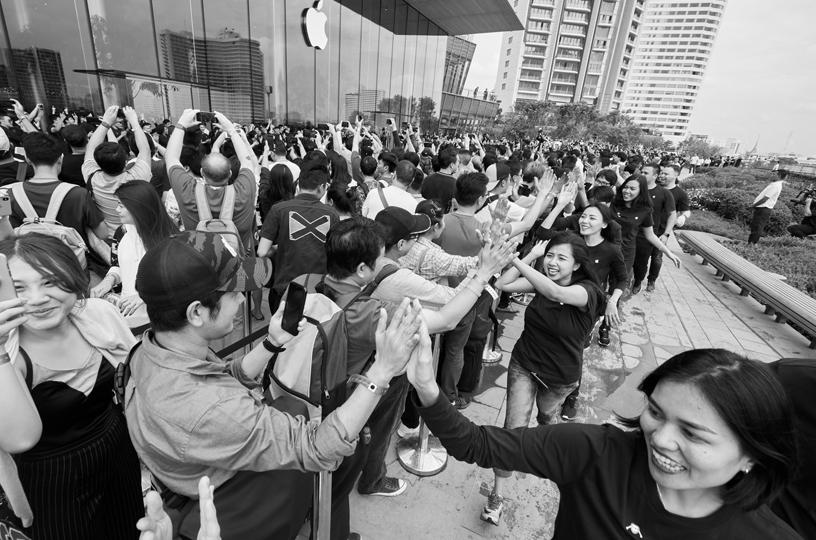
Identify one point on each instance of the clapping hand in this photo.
(156, 524)
(396, 341)
(539, 249)
(209, 528)
(421, 369)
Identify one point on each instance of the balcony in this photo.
(568, 82)
(594, 68)
(577, 5)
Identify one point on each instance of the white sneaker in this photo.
(403, 431)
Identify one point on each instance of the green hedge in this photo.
(735, 205)
(793, 258)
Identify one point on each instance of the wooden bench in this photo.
(780, 299)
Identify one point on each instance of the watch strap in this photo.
(370, 385)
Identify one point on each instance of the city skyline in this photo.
(768, 49)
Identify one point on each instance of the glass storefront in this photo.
(245, 58)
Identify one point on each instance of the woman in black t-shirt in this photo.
(545, 365)
(714, 445)
(632, 208)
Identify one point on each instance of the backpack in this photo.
(314, 365)
(49, 225)
(223, 224)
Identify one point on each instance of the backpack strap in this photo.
(382, 196)
(23, 201)
(371, 287)
(228, 203)
(202, 204)
(121, 377)
(22, 168)
(57, 197)
(490, 200)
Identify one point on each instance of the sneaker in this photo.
(461, 403)
(568, 410)
(493, 509)
(650, 286)
(636, 288)
(491, 357)
(403, 431)
(389, 487)
(603, 336)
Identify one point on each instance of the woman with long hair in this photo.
(80, 476)
(713, 446)
(632, 209)
(276, 184)
(145, 223)
(345, 198)
(545, 365)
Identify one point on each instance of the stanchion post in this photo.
(247, 320)
(321, 506)
(423, 454)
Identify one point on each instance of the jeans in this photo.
(474, 348)
(761, 218)
(644, 251)
(453, 355)
(522, 390)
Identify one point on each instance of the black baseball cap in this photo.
(192, 265)
(400, 224)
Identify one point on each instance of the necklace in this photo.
(660, 495)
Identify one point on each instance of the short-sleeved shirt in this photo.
(459, 238)
(71, 170)
(243, 215)
(552, 342)
(440, 187)
(570, 223)
(103, 186)
(662, 206)
(631, 220)
(77, 211)
(681, 200)
(8, 172)
(298, 227)
(393, 195)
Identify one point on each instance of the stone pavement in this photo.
(690, 308)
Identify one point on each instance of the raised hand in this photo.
(223, 122)
(277, 335)
(396, 341)
(156, 524)
(12, 315)
(420, 367)
(110, 114)
(209, 529)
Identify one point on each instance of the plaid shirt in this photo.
(431, 262)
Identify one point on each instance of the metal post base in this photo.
(428, 463)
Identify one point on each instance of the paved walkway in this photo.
(690, 308)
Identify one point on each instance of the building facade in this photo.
(246, 58)
(570, 51)
(675, 43)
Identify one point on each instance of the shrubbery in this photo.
(730, 192)
(791, 257)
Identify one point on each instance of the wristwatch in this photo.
(369, 385)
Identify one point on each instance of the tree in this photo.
(699, 148)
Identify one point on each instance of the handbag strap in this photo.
(382, 197)
(228, 203)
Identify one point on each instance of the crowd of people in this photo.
(130, 247)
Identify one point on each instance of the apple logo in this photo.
(314, 26)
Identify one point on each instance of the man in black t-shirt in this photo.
(78, 209)
(441, 185)
(294, 233)
(664, 217)
(77, 138)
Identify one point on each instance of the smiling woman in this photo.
(81, 476)
(713, 447)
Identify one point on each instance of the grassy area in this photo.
(707, 221)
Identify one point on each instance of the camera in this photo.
(808, 192)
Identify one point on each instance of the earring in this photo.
(746, 470)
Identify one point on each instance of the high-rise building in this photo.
(672, 52)
(458, 57)
(36, 76)
(571, 51)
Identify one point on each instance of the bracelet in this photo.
(105, 124)
(271, 347)
(369, 385)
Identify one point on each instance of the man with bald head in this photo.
(394, 195)
(215, 174)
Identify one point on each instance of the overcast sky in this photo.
(760, 80)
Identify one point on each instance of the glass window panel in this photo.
(300, 69)
(268, 27)
(421, 111)
(327, 66)
(409, 55)
(398, 100)
(350, 65)
(384, 62)
(370, 95)
(117, 26)
(234, 62)
(47, 56)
